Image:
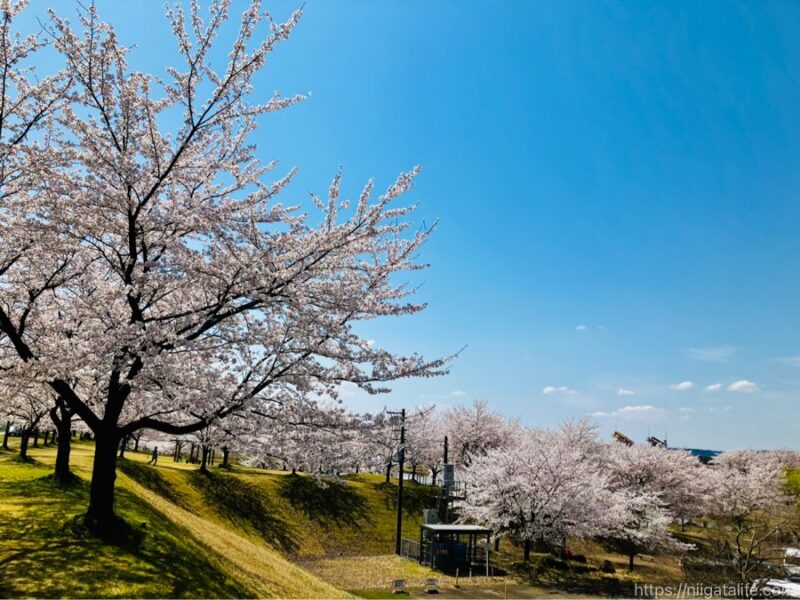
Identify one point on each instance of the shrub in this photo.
(607, 567)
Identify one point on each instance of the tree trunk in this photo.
(122, 445)
(388, 473)
(136, 443)
(36, 438)
(294, 470)
(5, 435)
(526, 556)
(631, 556)
(61, 416)
(414, 473)
(46, 436)
(225, 452)
(62, 473)
(204, 459)
(104, 472)
(23, 444)
(497, 543)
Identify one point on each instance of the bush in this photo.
(581, 558)
(551, 562)
(607, 567)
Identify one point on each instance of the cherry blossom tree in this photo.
(166, 266)
(475, 430)
(546, 487)
(316, 437)
(380, 441)
(757, 515)
(642, 478)
(425, 441)
(26, 405)
(26, 107)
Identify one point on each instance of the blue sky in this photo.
(616, 186)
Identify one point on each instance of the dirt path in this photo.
(516, 590)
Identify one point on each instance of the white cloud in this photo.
(687, 410)
(714, 387)
(682, 386)
(715, 354)
(458, 393)
(743, 386)
(625, 392)
(562, 389)
(580, 328)
(632, 412)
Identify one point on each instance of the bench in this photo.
(398, 586)
(646, 557)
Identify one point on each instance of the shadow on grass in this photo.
(416, 497)
(48, 552)
(245, 506)
(26, 460)
(573, 579)
(328, 502)
(154, 481)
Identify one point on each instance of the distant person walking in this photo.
(154, 459)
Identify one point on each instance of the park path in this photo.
(516, 590)
(261, 569)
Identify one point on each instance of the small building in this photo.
(447, 547)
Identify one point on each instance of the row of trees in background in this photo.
(545, 487)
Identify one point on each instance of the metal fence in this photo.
(409, 549)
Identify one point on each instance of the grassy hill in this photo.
(228, 533)
(297, 515)
(242, 532)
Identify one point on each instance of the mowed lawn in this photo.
(172, 552)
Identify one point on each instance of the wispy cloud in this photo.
(686, 410)
(347, 389)
(458, 393)
(682, 386)
(714, 387)
(562, 389)
(743, 386)
(625, 392)
(791, 361)
(580, 328)
(715, 354)
(632, 413)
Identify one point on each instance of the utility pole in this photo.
(401, 459)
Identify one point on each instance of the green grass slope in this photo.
(298, 515)
(174, 549)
